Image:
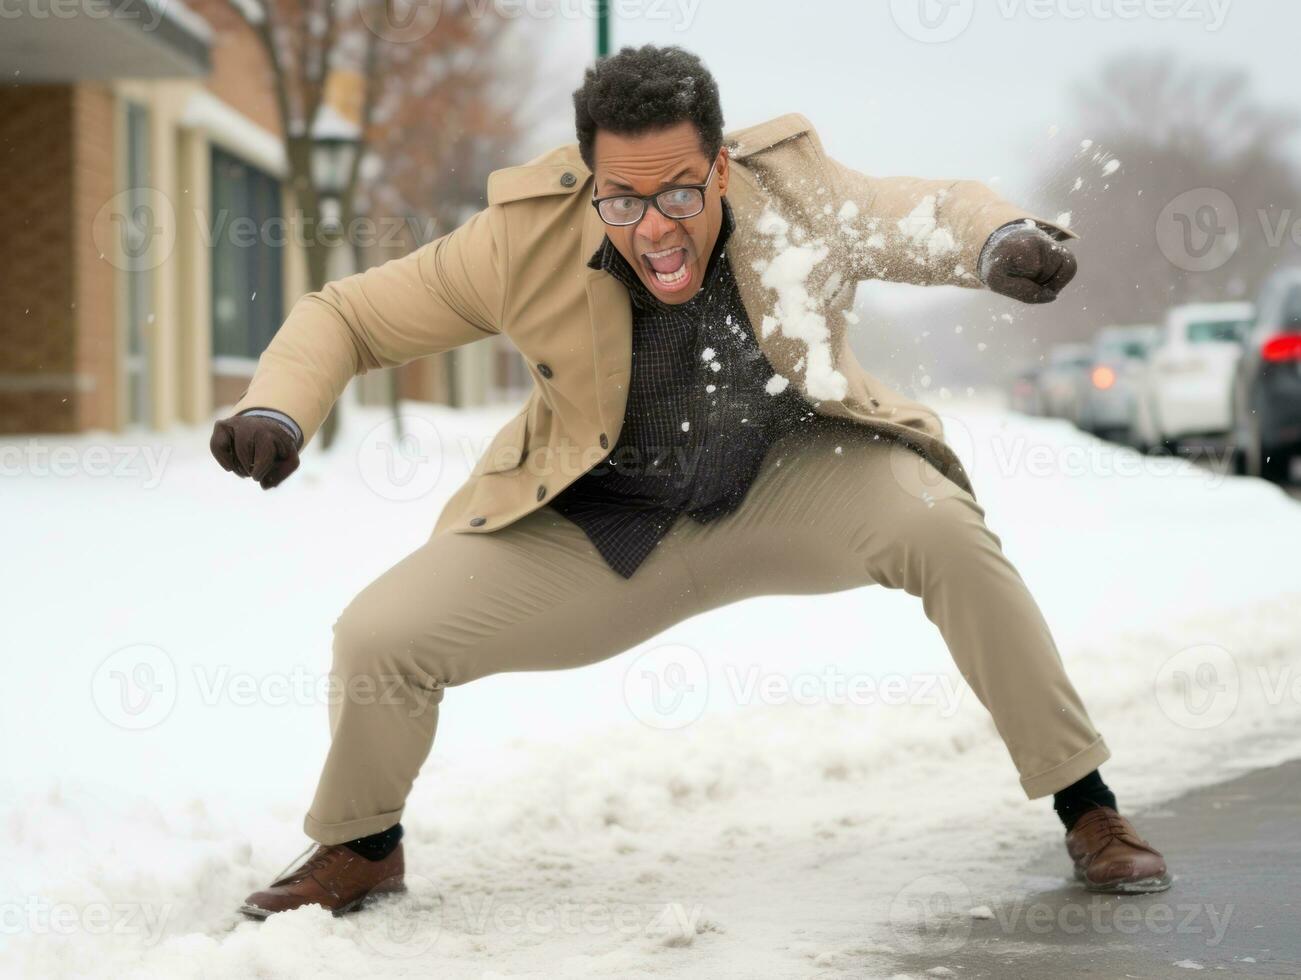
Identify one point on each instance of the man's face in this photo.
(669, 255)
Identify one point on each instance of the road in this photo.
(1235, 907)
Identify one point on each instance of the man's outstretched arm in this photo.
(442, 295)
(947, 233)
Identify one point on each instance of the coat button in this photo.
(605, 441)
(545, 371)
(542, 492)
(478, 521)
(567, 179)
(875, 403)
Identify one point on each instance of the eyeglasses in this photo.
(675, 203)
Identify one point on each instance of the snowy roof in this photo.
(331, 123)
(183, 17)
(1191, 312)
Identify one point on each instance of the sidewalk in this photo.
(1234, 909)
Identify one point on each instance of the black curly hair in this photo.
(646, 88)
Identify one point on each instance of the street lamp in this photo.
(335, 141)
(602, 29)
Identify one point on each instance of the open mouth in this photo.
(668, 268)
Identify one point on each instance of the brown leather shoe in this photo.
(331, 876)
(1109, 855)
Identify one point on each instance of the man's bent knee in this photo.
(930, 540)
(376, 661)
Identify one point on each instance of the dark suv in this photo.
(1267, 387)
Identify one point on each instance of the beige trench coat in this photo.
(519, 268)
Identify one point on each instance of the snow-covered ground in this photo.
(166, 628)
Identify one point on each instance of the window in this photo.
(248, 235)
(139, 283)
(1291, 318)
(1208, 331)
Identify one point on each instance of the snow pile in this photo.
(556, 830)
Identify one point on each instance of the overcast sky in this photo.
(979, 104)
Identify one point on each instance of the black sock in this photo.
(376, 847)
(1078, 798)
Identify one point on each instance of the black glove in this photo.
(256, 446)
(1026, 264)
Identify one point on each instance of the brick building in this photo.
(142, 166)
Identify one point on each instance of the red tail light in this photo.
(1103, 377)
(1284, 347)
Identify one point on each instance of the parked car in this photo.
(1187, 388)
(1023, 392)
(1119, 360)
(1267, 389)
(1062, 380)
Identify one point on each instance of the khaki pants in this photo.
(832, 509)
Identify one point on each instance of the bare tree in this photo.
(1145, 131)
(1185, 138)
(430, 81)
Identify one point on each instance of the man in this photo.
(699, 432)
